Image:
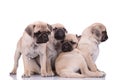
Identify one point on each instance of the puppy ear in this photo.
(78, 37)
(29, 30)
(65, 30)
(50, 27)
(96, 32)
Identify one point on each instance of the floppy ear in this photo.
(29, 29)
(78, 37)
(96, 32)
(65, 30)
(50, 27)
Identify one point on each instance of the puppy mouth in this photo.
(43, 38)
(59, 34)
(67, 47)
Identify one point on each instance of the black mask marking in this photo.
(104, 36)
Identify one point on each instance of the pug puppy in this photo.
(53, 46)
(89, 43)
(33, 41)
(70, 60)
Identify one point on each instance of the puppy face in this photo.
(104, 36)
(39, 31)
(59, 31)
(70, 42)
(99, 32)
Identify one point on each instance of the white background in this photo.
(76, 15)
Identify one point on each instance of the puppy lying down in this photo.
(70, 61)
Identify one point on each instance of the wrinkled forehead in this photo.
(71, 37)
(41, 28)
(57, 25)
(99, 26)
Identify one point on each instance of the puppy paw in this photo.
(25, 76)
(101, 75)
(51, 73)
(44, 74)
(13, 73)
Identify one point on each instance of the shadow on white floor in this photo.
(37, 77)
(5, 69)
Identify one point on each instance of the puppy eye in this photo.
(48, 32)
(54, 29)
(72, 42)
(104, 32)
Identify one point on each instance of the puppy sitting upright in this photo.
(70, 60)
(53, 47)
(33, 41)
(88, 44)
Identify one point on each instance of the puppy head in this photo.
(70, 42)
(97, 31)
(59, 31)
(39, 31)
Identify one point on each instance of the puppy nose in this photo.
(45, 37)
(59, 34)
(104, 36)
(66, 47)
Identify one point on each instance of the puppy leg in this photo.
(90, 62)
(30, 67)
(43, 64)
(70, 74)
(96, 74)
(49, 67)
(16, 59)
(84, 70)
(26, 61)
(33, 68)
(50, 62)
(92, 74)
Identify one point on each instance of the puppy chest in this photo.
(34, 51)
(95, 53)
(38, 48)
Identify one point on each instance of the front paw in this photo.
(25, 76)
(51, 73)
(44, 74)
(12, 73)
(101, 75)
